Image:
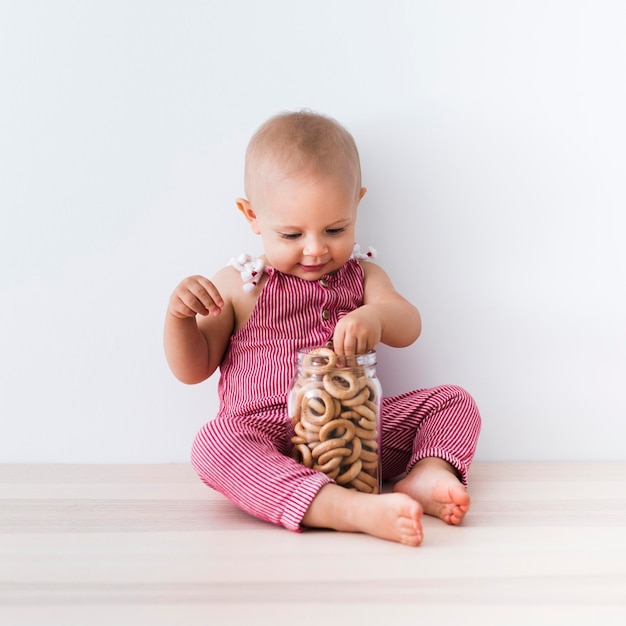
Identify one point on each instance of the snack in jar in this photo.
(334, 406)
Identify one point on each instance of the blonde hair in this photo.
(299, 141)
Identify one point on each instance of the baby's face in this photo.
(307, 224)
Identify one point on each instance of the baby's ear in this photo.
(245, 207)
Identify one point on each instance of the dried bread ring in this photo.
(329, 466)
(370, 444)
(357, 447)
(364, 435)
(310, 432)
(350, 474)
(294, 401)
(370, 466)
(367, 478)
(350, 415)
(372, 407)
(361, 485)
(326, 446)
(361, 397)
(348, 427)
(331, 454)
(370, 385)
(319, 360)
(368, 456)
(334, 473)
(366, 411)
(367, 424)
(318, 407)
(302, 454)
(342, 385)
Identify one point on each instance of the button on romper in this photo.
(244, 453)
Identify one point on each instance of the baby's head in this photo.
(302, 143)
(303, 186)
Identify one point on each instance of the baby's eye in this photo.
(335, 231)
(290, 235)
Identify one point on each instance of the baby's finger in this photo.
(212, 291)
(350, 344)
(190, 305)
(185, 305)
(205, 299)
(344, 344)
(338, 341)
(363, 345)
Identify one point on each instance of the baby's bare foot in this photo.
(391, 516)
(433, 483)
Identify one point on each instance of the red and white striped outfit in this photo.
(244, 453)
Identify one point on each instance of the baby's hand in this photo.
(357, 332)
(195, 295)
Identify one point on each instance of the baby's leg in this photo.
(247, 460)
(432, 435)
(248, 463)
(392, 516)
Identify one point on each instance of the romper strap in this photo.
(363, 256)
(251, 269)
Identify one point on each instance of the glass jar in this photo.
(334, 406)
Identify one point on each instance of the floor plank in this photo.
(544, 543)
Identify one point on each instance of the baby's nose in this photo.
(314, 247)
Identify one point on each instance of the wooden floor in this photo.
(117, 545)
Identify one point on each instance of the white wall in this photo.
(493, 144)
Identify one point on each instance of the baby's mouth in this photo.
(313, 268)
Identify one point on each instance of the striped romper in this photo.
(244, 452)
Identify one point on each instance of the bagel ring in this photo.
(360, 398)
(350, 474)
(313, 362)
(366, 411)
(299, 440)
(367, 424)
(370, 466)
(371, 387)
(331, 454)
(357, 447)
(342, 385)
(329, 466)
(372, 406)
(367, 478)
(296, 396)
(370, 444)
(367, 456)
(304, 429)
(304, 454)
(307, 431)
(364, 435)
(313, 429)
(350, 415)
(347, 425)
(334, 473)
(318, 409)
(326, 446)
(361, 485)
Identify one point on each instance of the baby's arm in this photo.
(198, 324)
(385, 316)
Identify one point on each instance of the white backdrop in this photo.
(492, 137)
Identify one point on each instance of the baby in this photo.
(303, 188)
